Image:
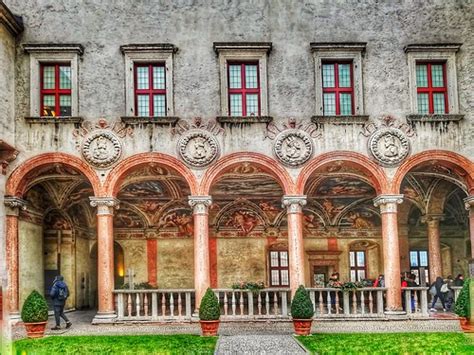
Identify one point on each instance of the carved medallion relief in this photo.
(101, 148)
(389, 146)
(198, 148)
(293, 147)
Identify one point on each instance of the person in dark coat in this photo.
(437, 285)
(459, 281)
(59, 294)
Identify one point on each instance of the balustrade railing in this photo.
(415, 300)
(154, 305)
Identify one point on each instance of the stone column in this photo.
(105, 257)
(434, 247)
(202, 277)
(11, 297)
(294, 205)
(469, 203)
(391, 250)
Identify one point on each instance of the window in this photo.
(279, 272)
(54, 79)
(432, 79)
(149, 79)
(338, 92)
(244, 89)
(358, 265)
(243, 72)
(55, 83)
(338, 79)
(150, 90)
(419, 263)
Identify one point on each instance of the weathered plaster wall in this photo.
(84, 268)
(7, 86)
(135, 258)
(31, 271)
(175, 263)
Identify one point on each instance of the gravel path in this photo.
(259, 344)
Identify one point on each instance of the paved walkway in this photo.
(259, 344)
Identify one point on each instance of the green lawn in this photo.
(133, 344)
(393, 343)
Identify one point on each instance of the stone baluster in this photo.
(202, 278)
(391, 250)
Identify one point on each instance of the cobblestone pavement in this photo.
(259, 344)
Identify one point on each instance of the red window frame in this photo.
(430, 90)
(356, 267)
(150, 91)
(56, 91)
(336, 89)
(243, 91)
(279, 268)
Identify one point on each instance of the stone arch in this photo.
(17, 182)
(374, 172)
(267, 164)
(462, 165)
(119, 172)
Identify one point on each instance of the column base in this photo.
(14, 317)
(104, 318)
(395, 313)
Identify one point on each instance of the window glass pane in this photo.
(251, 77)
(65, 105)
(49, 80)
(275, 278)
(346, 104)
(329, 104)
(360, 258)
(344, 75)
(421, 76)
(352, 258)
(236, 105)
(142, 78)
(143, 105)
(437, 75)
(159, 105)
(360, 275)
(235, 79)
(353, 276)
(413, 259)
(274, 259)
(423, 258)
(64, 77)
(423, 105)
(283, 259)
(284, 278)
(328, 76)
(438, 103)
(252, 104)
(159, 78)
(49, 103)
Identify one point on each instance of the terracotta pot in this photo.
(35, 330)
(209, 327)
(463, 321)
(302, 326)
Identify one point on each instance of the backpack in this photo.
(62, 293)
(444, 288)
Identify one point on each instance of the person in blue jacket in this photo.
(59, 294)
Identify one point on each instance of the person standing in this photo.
(459, 281)
(59, 294)
(438, 293)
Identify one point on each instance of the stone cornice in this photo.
(53, 47)
(433, 47)
(7, 155)
(14, 205)
(13, 23)
(242, 46)
(338, 46)
(149, 47)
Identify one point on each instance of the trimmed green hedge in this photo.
(209, 308)
(301, 306)
(35, 308)
(461, 308)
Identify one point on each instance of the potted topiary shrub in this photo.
(34, 314)
(461, 308)
(209, 314)
(302, 311)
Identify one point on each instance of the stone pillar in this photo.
(391, 250)
(202, 277)
(469, 203)
(11, 297)
(105, 257)
(294, 205)
(434, 247)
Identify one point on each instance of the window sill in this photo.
(57, 119)
(341, 120)
(435, 118)
(244, 119)
(157, 120)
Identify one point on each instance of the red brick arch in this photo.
(17, 182)
(444, 157)
(374, 172)
(119, 172)
(264, 162)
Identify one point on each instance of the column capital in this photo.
(200, 204)
(294, 203)
(432, 217)
(469, 202)
(388, 203)
(14, 205)
(105, 205)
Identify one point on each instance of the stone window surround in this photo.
(147, 53)
(53, 53)
(243, 51)
(323, 51)
(434, 52)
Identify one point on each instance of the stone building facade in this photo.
(198, 144)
